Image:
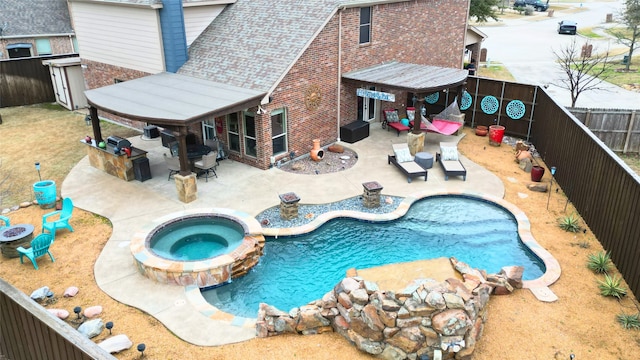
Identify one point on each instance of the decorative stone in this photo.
(539, 187)
(40, 294)
(59, 313)
(116, 343)
(513, 275)
(451, 322)
(336, 148)
(92, 311)
(91, 328)
(71, 291)
(25, 204)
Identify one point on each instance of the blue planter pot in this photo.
(45, 192)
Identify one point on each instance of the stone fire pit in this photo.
(13, 237)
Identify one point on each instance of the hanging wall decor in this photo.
(432, 98)
(312, 97)
(489, 104)
(515, 109)
(466, 101)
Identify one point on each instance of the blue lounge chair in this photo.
(62, 220)
(39, 247)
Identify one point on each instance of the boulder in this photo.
(116, 344)
(59, 313)
(92, 311)
(336, 148)
(71, 291)
(539, 187)
(91, 328)
(40, 294)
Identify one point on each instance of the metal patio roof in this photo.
(172, 99)
(412, 77)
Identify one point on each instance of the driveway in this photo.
(526, 49)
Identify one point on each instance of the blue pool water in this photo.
(297, 270)
(196, 238)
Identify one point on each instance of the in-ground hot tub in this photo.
(202, 247)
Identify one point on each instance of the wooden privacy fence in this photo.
(28, 332)
(618, 129)
(26, 81)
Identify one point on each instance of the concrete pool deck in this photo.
(131, 205)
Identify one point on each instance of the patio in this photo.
(129, 205)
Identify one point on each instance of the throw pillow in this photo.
(448, 152)
(392, 115)
(403, 155)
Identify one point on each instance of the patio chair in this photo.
(392, 120)
(214, 144)
(39, 247)
(5, 220)
(448, 159)
(58, 219)
(403, 160)
(207, 165)
(173, 164)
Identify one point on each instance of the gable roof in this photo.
(253, 43)
(34, 17)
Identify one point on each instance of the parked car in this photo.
(567, 27)
(539, 5)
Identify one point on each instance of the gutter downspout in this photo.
(339, 69)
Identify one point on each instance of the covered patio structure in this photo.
(174, 102)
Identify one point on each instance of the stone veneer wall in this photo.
(426, 320)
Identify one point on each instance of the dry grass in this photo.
(518, 327)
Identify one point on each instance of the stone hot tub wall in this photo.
(438, 319)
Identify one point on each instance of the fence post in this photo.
(587, 118)
(629, 131)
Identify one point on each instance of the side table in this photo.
(424, 159)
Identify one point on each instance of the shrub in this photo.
(610, 286)
(629, 321)
(570, 223)
(599, 263)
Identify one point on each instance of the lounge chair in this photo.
(58, 219)
(448, 159)
(403, 160)
(392, 120)
(39, 247)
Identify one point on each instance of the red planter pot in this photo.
(496, 133)
(537, 172)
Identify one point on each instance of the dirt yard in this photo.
(581, 322)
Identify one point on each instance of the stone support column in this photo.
(371, 195)
(186, 187)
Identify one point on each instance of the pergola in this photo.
(170, 101)
(418, 79)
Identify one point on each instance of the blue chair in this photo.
(6, 221)
(62, 220)
(39, 247)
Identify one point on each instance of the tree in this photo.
(484, 10)
(583, 71)
(630, 17)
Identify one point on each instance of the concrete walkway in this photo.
(130, 205)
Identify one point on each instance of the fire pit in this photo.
(13, 237)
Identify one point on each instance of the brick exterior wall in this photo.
(59, 45)
(421, 32)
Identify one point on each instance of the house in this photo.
(35, 28)
(264, 77)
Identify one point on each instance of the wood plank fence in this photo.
(619, 129)
(25, 81)
(28, 331)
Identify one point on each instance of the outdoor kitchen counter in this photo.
(119, 165)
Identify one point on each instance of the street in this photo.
(526, 45)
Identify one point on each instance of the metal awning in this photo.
(410, 77)
(169, 99)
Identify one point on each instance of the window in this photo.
(75, 45)
(209, 129)
(233, 132)
(43, 46)
(250, 142)
(279, 132)
(19, 50)
(365, 25)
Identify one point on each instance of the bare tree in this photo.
(583, 71)
(630, 17)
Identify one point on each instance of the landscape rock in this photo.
(539, 187)
(92, 311)
(336, 148)
(91, 328)
(40, 294)
(116, 343)
(71, 291)
(25, 204)
(59, 313)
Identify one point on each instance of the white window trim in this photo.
(284, 133)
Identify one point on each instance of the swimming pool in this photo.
(296, 270)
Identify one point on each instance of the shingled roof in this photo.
(253, 43)
(34, 17)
